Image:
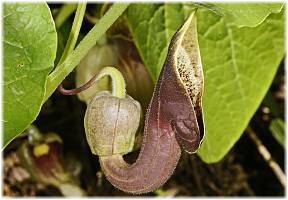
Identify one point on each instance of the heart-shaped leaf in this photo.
(30, 43)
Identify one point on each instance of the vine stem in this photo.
(59, 74)
(118, 83)
(73, 36)
(267, 156)
(65, 11)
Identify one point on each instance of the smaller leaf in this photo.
(278, 130)
(244, 14)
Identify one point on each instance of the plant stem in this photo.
(65, 11)
(267, 157)
(118, 83)
(59, 74)
(73, 36)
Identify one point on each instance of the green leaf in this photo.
(30, 43)
(277, 129)
(244, 14)
(239, 65)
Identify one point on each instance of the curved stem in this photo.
(73, 36)
(118, 83)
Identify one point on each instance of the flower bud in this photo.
(111, 124)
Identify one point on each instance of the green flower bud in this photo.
(111, 124)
